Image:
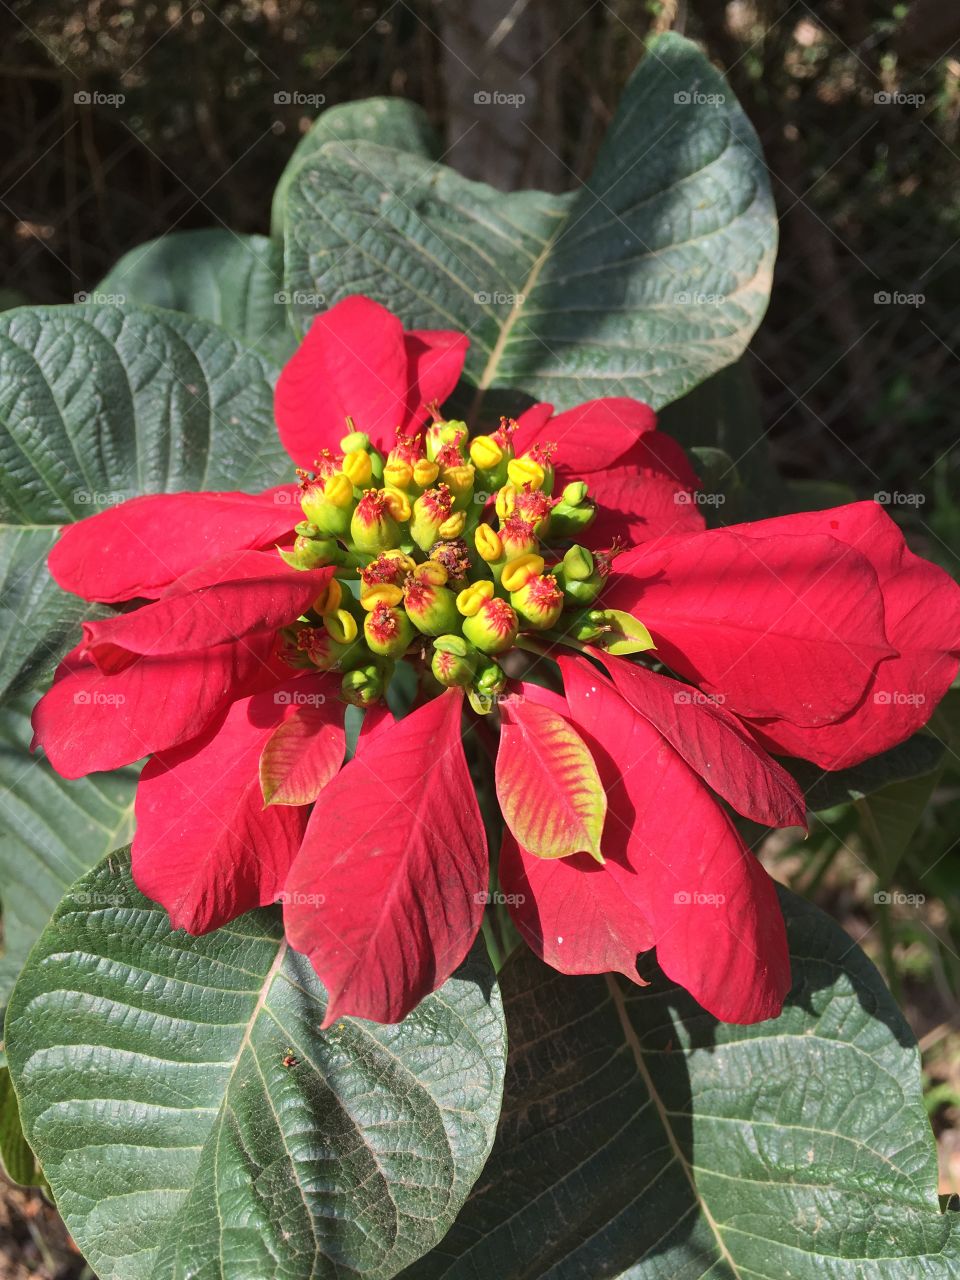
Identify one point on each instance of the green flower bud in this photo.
(493, 628)
(573, 512)
(440, 435)
(364, 685)
(454, 660)
(609, 629)
(374, 525)
(539, 601)
(360, 440)
(581, 577)
(388, 631)
(488, 683)
(431, 511)
(431, 608)
(311, 549)
(328, 503)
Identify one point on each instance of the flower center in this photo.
(448, 552)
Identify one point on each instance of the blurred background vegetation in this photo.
(122, 121)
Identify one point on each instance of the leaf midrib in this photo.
(636, 1048)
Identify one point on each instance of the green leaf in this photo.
(640, 1138)
(645, 281)
(890, 817)
(17, 1161)
(51, 832)
(100, 403)
(915, 758)
(234, 280)
(391, 122)
(193, 1120)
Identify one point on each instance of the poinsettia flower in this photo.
(679, 658)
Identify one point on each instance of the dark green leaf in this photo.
(236, 281)
(17, 1161)
(391, 122)
(193, 1120)
(918, 756)
(51, 832)
(640, 1138)
(100, 403)
(645, 281)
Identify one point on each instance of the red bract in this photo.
(819, 635)
(357, 362)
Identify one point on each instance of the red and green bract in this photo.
(817, 635)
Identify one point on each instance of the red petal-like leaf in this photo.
(352, 362)
(434, 361)
(139, 547)
(780, 625)
(387, 893)
(234, 596)
(712, 742)
(547, 783)
(922, 620)
(89, 720)
(572, 912)
(670, 847)
(304, 752)
(205, 847)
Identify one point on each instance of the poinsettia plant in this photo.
(455, 716)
